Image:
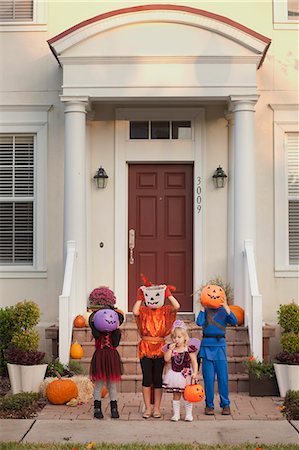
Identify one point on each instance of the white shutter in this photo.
(293, 195)
(16, 10)
(17, 199)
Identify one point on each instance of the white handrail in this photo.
(67, 303)
(253, 303)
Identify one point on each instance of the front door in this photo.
(161, 228)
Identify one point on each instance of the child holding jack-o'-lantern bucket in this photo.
(213, 317)
(154, 323)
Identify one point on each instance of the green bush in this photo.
(291, 405)
(288, 317)
(290, 342)
(26, 314)
(7, 329)
(18, 402)
(76, 368)
(27, 340)
(259, 369)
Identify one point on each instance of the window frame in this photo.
(285, 121)
(39, 22)
(280, 16)
(18, 121)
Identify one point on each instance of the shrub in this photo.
(18, 402)
(7, 328)
(288, 317)
(259, 369)
(76, 368)
(287, 358)
(291, 405)
(14, 355)
(26, 314)
(290, 342)
(26, 340)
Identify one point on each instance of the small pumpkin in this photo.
(86, 317)
(212, 296)
(194, 393)
(76, 351)
(61, 391)
(238, 312)
(104, 392)
(79, 321)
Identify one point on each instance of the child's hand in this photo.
(172, 346)
(194, 376)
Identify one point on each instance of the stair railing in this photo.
(253, 303)
(67, 302)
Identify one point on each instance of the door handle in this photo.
(131, 244)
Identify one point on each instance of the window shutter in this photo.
(16, 10)
(293, 195)
(17, 199)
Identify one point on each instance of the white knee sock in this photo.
(188, 409)
(176, 410)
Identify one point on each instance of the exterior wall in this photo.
(33, 77)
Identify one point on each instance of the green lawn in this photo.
(103, 446)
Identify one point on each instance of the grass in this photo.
(139, 446)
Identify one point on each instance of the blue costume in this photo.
(213, 352)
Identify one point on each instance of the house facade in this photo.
(159, 96)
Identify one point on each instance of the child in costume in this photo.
(105, 366)
(154, 322)
(184, 367)
(213, 317)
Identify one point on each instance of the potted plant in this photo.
(287, 362)
(24, 362)
(262, 379)
(101, 296)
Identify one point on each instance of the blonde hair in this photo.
(183, 332)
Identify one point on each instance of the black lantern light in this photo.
(101, 178)
(219, 177)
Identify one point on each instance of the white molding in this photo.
(19, 120)
(123, 157)
(285, 121)
(39, 22)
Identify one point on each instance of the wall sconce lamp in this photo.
(219, 177)
(101, 178)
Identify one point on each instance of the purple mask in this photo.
(106, 320)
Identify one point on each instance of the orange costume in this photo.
(153, 326)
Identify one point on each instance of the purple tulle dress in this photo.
(179, 375)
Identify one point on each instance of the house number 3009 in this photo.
(198, 195)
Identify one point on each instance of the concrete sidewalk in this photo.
(254, 419)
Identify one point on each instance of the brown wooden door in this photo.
(160, 212)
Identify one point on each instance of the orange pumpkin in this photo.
(238, 312)
(194, 393)
(79, 321)
(76, 351)
(61, 391)
(212, 296)
(104, 392)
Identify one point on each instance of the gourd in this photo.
(104, 392)
(61, 391)
(79, 321)
(76, 351)
(194, 393)
(212, 296)
(238, 312)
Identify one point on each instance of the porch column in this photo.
(230, 214)
(244, 194)
(75, 192)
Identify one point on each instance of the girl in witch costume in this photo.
(154, 322)
(105, 366)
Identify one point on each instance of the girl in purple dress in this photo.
(184, 367)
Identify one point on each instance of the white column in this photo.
(75, 191)
(244, 185)
(230, 214)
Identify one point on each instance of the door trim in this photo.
(123, 158)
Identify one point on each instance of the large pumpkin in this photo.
(79, 321)
(238, 312)
(194, 393)
(76, 351)
(212, 296)
(61, 391)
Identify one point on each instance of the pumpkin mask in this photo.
(106, 320)
(212, 296)
(154, 296)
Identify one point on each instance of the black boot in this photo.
(97, 412)
(114, 411)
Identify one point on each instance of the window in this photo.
(162, 129)
(21, 15)
(23, 180)
(286, 14)
(17, 199)
(286, 164)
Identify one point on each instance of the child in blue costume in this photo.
(213, 353)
